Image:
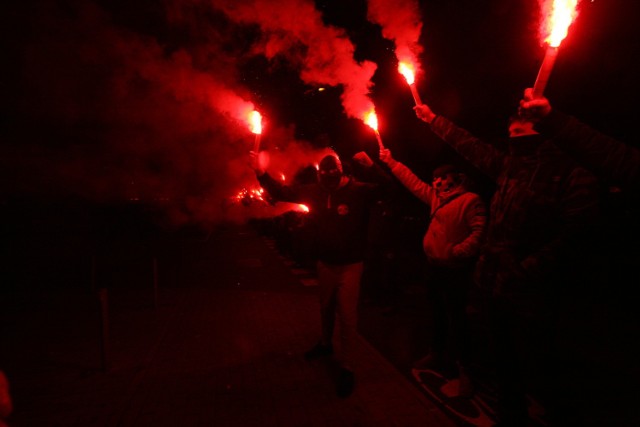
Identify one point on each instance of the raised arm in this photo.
(419, 188)
(609, 158)
(275, 188)
(483, 156)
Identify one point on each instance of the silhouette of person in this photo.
(544, 203)
(609, 158)
(451, 245)
(339, 209)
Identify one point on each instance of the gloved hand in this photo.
(424, 113)
(362, 158)
(385, 156)
(534, 108)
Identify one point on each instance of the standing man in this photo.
(338, 212)
(544, 203)
(451, 244)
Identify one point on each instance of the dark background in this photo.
(103, 122)
(478, 57)
(103, 128)
(103, 140)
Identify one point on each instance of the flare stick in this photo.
(545, 71)
(416, 96)
(380, 144)
(256, 144)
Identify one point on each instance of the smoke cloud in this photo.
(117, 105)
(401, 23)
(294, 29)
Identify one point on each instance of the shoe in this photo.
(346, 383)
(430, 361)
(466, 388)
(319, 350)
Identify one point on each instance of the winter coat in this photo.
(337, 219)
(458, 219)
(611, 159)
(543, 205)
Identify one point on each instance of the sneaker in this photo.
(319, 350)
(430, 361)
(346, 383)
(465, 385)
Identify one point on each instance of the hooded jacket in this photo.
(458, 219)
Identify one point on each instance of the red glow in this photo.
(408, 71)
(559, 14)
(255, 122)
(371, 119)
(303, 208)
(253, 194)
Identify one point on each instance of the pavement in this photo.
(205, 330)
(208, 329)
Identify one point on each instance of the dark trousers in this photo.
(448, 293)
(339, 291)
(527, 361)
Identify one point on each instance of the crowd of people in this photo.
(519, 250)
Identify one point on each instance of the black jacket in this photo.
(338, 219)
(609, 158)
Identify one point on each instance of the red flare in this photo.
(371, 119)
(560, 16)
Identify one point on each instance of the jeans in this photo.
(339, 290)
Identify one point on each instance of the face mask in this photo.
(330, 172)
(444, 184)
(330, 179)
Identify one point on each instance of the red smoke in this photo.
(294, 29)
(401, 22)
(124, 103)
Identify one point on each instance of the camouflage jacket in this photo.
(543, 204)
(611, 159)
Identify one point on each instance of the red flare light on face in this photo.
(407, 70)
(561, 14)
(371, 119)
(255, 122)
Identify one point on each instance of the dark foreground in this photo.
(207, 327)
(220, 343)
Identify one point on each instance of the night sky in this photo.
(109, 100)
